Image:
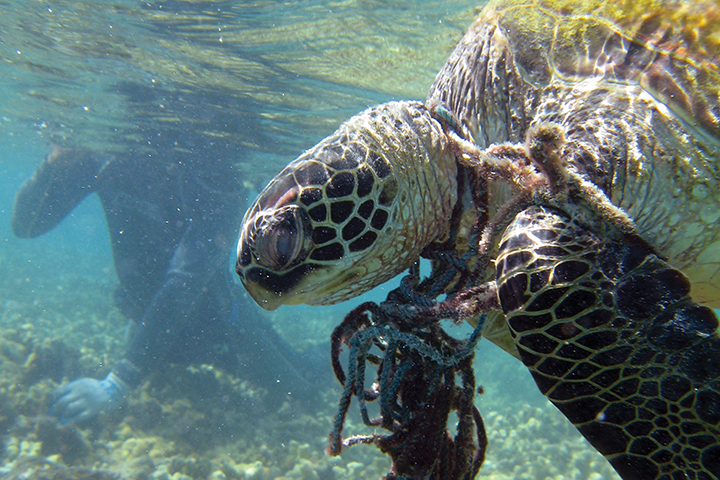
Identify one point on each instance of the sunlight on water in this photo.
(254, 84)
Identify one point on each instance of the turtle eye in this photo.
(279, 237)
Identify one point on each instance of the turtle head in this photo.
(342, 218)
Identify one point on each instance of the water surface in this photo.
(265, 80)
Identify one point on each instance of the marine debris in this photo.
(423, 374)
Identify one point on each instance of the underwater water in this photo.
(265, 80)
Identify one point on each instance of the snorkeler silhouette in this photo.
(172, 218)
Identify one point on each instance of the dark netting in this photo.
(421, 373)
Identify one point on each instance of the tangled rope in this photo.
(422, 375)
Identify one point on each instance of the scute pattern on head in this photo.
(587, 143)
(366, 192)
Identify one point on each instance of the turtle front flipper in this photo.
(613, 339)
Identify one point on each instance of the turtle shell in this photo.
(635, 86)
(668, 48)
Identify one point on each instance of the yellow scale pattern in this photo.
(612, 338)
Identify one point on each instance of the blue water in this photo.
(269, 79)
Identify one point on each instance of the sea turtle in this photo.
(583, 137)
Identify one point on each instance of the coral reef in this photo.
(198, 423)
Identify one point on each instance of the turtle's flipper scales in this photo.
(613, 339)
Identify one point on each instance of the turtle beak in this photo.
(266, 299)
(305, 294)
(257, 286)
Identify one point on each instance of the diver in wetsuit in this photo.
(172, 220)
